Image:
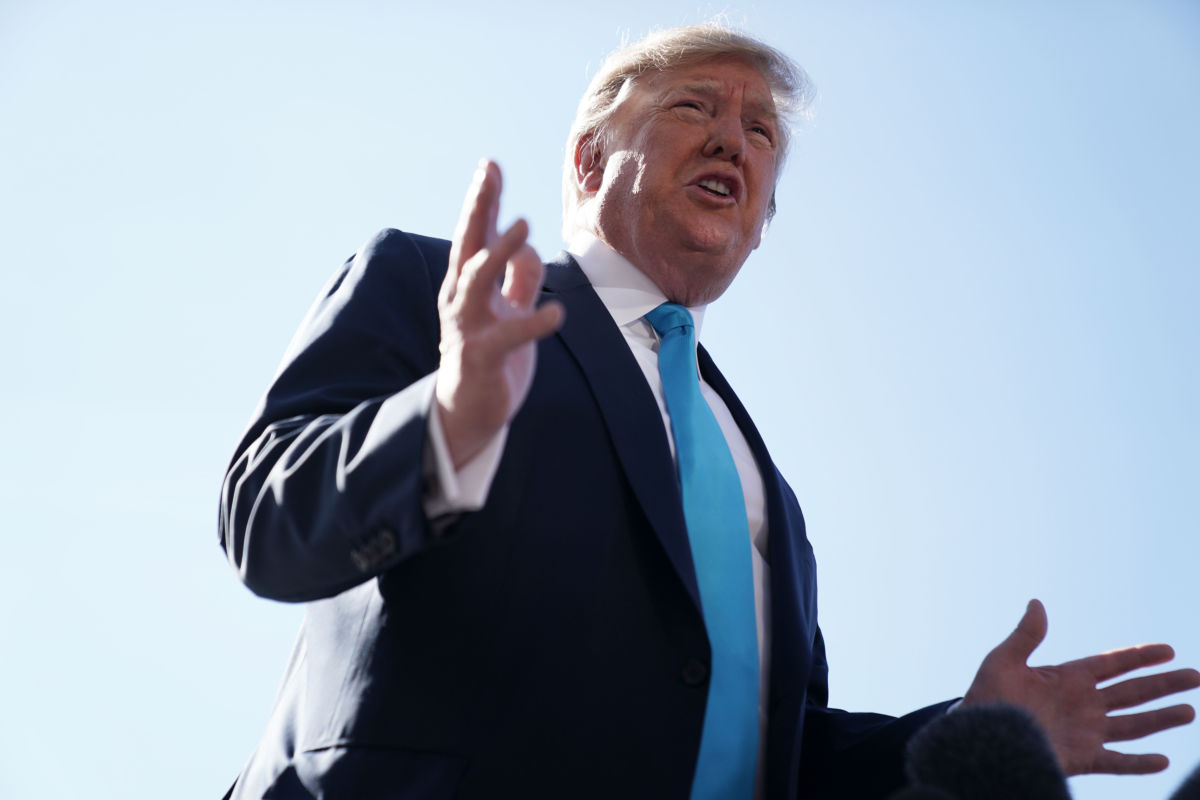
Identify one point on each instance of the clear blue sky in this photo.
(977, 310)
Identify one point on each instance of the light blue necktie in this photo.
(715, 512)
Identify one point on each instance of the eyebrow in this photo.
(710, 88)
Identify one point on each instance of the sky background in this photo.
(969, 339)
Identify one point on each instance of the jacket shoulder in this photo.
(393, 242)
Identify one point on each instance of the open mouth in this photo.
(715, 187)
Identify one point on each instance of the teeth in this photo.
(716, 186)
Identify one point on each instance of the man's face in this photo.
(683, 188)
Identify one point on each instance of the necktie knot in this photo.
(669, 317)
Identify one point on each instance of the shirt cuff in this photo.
(448, 491)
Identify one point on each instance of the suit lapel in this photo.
(766, 467)
(628, 407)
(793, 598)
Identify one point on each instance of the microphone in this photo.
(1190, 788)
(994, 752)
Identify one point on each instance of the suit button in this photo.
(371, 554)
(695, 673)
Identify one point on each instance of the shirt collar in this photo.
(627, 292)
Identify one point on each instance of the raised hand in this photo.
(1073, 710)
(489, 329)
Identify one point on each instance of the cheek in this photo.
(756, 236)
(766, 192)
(626, 182)
(630, 172)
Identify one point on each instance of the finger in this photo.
(1124, 727)
(512, 333)
(523, 280)
(1113, 763)
(477, 221)
(1136, 691)
(481, 274)
(465, 242)
(1117, 662)
(1029, 633)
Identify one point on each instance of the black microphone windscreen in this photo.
(1190, 788)
(994, 752)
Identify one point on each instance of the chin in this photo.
(710, 244)
(716, 241)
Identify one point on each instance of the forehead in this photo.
(716, 76)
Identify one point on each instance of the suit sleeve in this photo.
(853, 755)
(324, 490)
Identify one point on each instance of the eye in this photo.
(761, 130)
(692, 104)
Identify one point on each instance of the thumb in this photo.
(1029, 633)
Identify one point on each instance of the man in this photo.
(536, 565)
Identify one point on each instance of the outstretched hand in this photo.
(489, 329)
(1071, 708)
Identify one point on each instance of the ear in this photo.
(589, 165)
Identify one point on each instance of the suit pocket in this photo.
(367, 773)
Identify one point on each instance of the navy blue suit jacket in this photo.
(548, 645)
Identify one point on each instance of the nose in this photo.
(726, 139)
